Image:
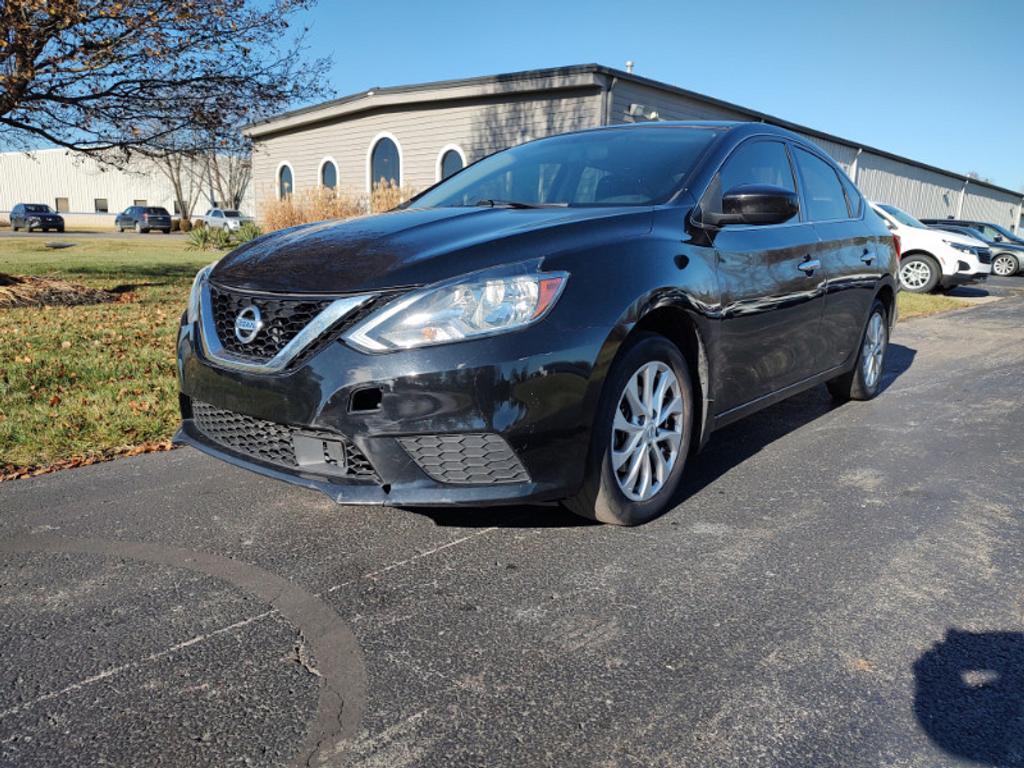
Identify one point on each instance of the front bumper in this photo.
(529, 388)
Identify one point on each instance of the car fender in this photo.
(651, 310)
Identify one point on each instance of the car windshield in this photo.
(232, 214)
(628, 166)
(902, 216)
(37, 208)
(157, 211)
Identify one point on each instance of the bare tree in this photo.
(229, 173)
(97, 75)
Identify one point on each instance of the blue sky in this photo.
(940, 81)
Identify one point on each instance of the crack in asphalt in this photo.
(191, 560)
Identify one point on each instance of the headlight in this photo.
(196, 292)
(962, 247)
(468, 307)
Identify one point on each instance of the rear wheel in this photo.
(1005, 264)
(919, 273)
(641, 435)
(864, 381)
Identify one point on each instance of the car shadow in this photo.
(969, 696)
(734, 444)
(968, 292)
(726, 449)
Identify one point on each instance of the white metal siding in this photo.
(48, 174)
(987, 204)
(669, 106)
(918, 191)
(479, 129)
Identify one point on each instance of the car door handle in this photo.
(867, 257)
(809, 265)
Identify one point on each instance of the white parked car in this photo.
(934, 258)
(223, 218)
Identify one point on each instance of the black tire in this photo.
(1005, 265)
(920, 260)
(166, 231)
(14, 228)
(138, 229)
(60, 229)
(855, 384)
(601, 497)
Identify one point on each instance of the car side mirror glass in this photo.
(757, 204)
(998, 238)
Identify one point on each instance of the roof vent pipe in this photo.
(629, 66)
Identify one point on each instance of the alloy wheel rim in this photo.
(915, 274)
(873, 352)
(647, 431)
(1003, 266)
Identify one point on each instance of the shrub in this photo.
(199, 239)
(387, 195)
(248, 231)
(4, 222)
(219, 238)
(185, 225)
(307, 206)
(319, 204)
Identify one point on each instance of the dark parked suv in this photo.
(1007, 248)
(35, 216)
(568, 319)
(143, 218)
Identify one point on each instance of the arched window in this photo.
(385, 162)
(451, 162)
(328, 174)
(285, 185)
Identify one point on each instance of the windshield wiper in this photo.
(517, 204)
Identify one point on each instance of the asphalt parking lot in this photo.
(843, 586)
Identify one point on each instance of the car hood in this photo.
(956, 237)
(415, 247)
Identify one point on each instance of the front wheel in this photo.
(641, 435)
(1005, 264)
(864, 381)
(919, 273)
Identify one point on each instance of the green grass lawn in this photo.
(87, 382)
(923, 304)
(90, 381)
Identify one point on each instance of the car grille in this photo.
(482, 459)
(277, 443)
(984, 255)
(283, 318)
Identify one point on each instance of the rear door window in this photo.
(823, 192)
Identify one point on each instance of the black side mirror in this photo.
(754, 204)
(998, 238)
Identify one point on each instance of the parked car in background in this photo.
(222, 218)
(930, 258)
(1007, 256)
(36, 216)
(992, 232)
(568, 319)
(143, 218)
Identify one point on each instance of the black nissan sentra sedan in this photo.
(568, 319)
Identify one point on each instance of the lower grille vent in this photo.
(282, 445)
(466, 459)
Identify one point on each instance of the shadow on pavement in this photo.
(967, 292)
(726, 449)
(969, 696)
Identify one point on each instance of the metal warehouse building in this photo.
(88, 193)
(417, 134)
